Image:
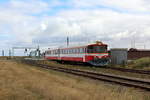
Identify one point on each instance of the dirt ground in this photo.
(24, 82)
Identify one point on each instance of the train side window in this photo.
(75, 50)
(60, 51)
(56, 51)
(78, 50)
(65, 51)
(84, 50)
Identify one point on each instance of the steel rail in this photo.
(122, 80)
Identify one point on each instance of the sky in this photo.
(119, 23)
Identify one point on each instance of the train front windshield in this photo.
(97, 49)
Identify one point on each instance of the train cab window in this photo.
(97, 49)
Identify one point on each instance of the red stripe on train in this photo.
(78, 59)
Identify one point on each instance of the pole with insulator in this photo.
(67, 41)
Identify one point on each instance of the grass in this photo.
(23, 82)
(142, 63)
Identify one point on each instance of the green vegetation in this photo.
(142, 63)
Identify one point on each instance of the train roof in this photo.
(94, 44)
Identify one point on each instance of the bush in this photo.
(141, 63)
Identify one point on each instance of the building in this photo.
(118, 56)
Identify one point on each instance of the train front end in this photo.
(97, 54)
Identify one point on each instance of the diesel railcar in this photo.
(95, 54)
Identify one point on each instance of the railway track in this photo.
(122, 80)
(138, 71)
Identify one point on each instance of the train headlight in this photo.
(96, 57)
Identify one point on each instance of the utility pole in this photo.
(3, 53)
(67, 41)
(9, 53)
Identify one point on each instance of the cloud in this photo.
(117, 5)
(28, 23)
(108, 26)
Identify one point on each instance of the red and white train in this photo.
(95, 54)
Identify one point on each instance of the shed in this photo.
(118, 56)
